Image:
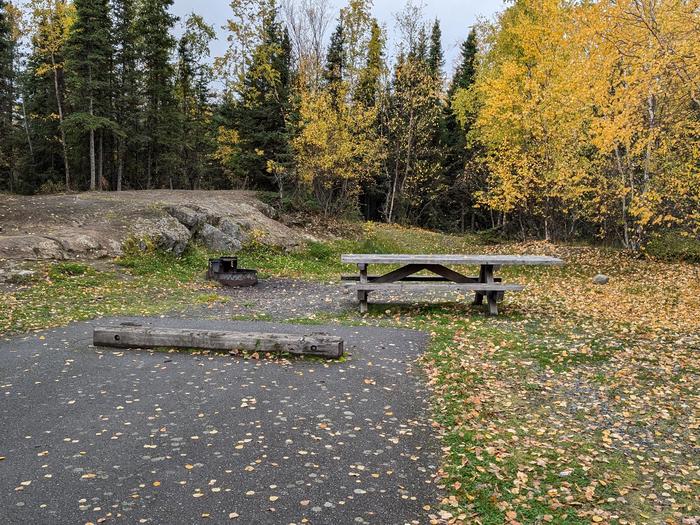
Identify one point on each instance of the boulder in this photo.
(166, 233)
(231, 228)
(30, 247)
(217, 241)
(189, 217)
(601, 279)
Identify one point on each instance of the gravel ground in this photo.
(285, 299)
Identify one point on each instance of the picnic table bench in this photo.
(404, 279)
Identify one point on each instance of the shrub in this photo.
(674, 246)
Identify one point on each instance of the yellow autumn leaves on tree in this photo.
(591, 111)
(337, 148)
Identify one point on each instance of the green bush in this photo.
(67, 270)
(674, 247)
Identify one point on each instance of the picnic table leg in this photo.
(491, 296)
(479, 300)
(363, 295)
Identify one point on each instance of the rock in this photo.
(231, 228)
(31, 247)
(217, 241)
(189, 217)
(19, 276)
(601, 279)
(166, 233)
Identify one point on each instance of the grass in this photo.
(578, 405)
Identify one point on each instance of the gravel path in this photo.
(288, 299)
(140, 437)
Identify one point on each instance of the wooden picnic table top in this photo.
(467, 260)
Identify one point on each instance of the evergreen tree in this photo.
(193, 78)
(335, 63)
(371, 75)
(465, 76)
(89, 54)
(369, 93)
(7, 95)
(464, 176)
(261, 117)
(154, 24)
(436, 57)
(127, 108)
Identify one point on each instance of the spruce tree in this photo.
(193, 77)
(7, 94)
(463, 179)
(88, 67)
(436, 57)
(127, 106)
(465, 75)
(333, 73)
(154, 25)
(371, 75)
(262, 115)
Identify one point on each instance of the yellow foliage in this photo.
(337, 148)
(592, 109)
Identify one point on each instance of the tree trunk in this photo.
(93, 168)
(101, 162)
(26, 130)
(60, 120)
(120, 164)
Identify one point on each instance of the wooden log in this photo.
(141, 337)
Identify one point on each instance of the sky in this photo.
(456, 17)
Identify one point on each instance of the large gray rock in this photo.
(217, 241)
(189, 217)
(166, 234)
(31, 247)
(231, 228)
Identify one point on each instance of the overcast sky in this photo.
(456, 17)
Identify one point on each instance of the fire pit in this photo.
(226, 271)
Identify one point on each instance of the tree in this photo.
(7, 92)
(371, 75)
(588, 115)
(307, 22)
(127, 101)
(89, 55)
(154, 24)
(193, 78)
(259, 110)
(465, 176)
(52, 20)
(333, 74)
(465, 75)
(357, 21)
(414, 117)
(337, 149)
(436, 56)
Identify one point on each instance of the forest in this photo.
(563, 120)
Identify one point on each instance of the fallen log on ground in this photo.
(142, 337)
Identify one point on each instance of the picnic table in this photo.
(404, 279)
